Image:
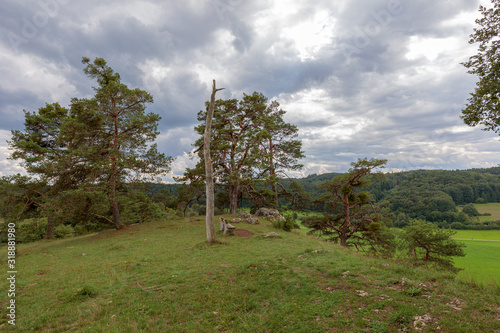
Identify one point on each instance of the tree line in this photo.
(95, 162)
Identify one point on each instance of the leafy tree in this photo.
(123, 145)
(248, 150)
(46, 147)
(470, 210)
(353, 218)
(432, 243)
(85, 155)
(298, 198)
(279, 148)
(484, 104)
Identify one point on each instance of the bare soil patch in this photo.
(243, 233)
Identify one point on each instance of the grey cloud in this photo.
(359, 71)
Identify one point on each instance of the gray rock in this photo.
(251, 220)
(267, 212)
(271, 235)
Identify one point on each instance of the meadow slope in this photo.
(161, 277)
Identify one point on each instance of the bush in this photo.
(30, 230)
(470, 210)
(63, 231)
(457, 226)
(287, 224)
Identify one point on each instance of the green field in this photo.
(482, 262)
(492, 208)
(162, 277)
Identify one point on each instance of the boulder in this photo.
(251, 220)
(271, 235)
(267, 212)
(245, 215)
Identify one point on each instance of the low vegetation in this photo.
(161, 276)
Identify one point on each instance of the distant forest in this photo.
(431, 195)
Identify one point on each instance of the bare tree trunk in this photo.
(209, 174)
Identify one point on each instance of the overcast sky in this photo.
(360, 78)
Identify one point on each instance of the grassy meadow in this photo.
(162, 277)
(482, 262)
(492, 208)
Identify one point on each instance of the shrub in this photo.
(433, 243)
(287, 224)
(470, 210)
(63, 231)
(31, 230)
(457, 226)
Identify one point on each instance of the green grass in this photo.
(482, 262)
(162, 277)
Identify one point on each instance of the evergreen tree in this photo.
(484, 104)
(433, 243)
(353, 218)
(248, 150)
(91, 151)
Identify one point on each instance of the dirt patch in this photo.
(29, 248)
(243, 233)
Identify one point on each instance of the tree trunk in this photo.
(347, 222)
(209, 175)
(275, 191)
(117, 221)
(234, 192)
(114, 172)
(49, 232)
(272, 172)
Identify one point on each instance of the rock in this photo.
(245, 215)
(420, 322)
(271, 235)
(236, 220)
(405, 281)
(251, 220)
(267, 212)
(362, 293)
(273, 218)
(456, 304)
(346, 273)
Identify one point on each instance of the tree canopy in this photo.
(484, 104)
(252, 145)
(89, 154)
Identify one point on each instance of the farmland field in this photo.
(492, 208)
(482, 262)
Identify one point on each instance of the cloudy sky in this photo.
(360, 78)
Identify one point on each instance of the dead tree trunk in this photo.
(209, 174)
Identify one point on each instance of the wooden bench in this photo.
(226, 228)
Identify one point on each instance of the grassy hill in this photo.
(161, 277)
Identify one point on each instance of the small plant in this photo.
(84, 293)
(414, 291)
(287, 224)
(402, 316)
(379, 327)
